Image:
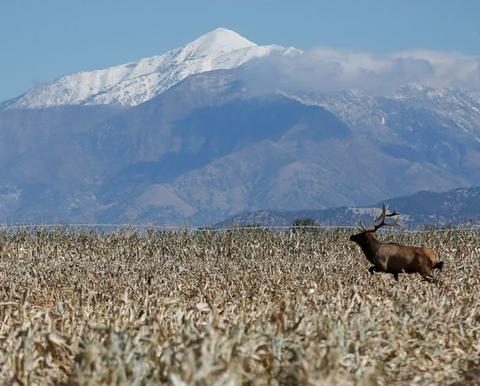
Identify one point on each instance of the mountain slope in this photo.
(197, 146)
(133, 83)
(193, 151)
(45, 174)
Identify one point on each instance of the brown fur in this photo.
(396, 258)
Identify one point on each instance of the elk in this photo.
(392, 257)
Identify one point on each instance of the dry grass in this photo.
(249, 307)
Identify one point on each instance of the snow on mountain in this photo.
(460, 107)
(370, 113)
(136, 82)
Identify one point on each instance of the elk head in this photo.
(367, 233)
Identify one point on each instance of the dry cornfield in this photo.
(253, 307)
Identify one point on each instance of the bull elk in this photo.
(392, 257)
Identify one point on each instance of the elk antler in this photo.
(380, 220)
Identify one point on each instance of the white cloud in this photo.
(326, 69)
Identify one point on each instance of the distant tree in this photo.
(303, 222)
(250, 225)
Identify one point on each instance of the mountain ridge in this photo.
(138, 81)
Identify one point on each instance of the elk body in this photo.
(392, 257)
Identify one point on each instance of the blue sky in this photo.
(42, 40)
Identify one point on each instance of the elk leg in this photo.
(429, 278)
(395, 276)
(438, 265)
(372, 269)
(427, 273)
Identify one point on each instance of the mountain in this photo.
(209, 149)
(45, 173)
(455, 207)
(136, 82)
(206, 143)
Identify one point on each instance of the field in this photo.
(243, 307)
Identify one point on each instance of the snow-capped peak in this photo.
(217, 42)
(136, 82)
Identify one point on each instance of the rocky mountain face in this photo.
(207, 144)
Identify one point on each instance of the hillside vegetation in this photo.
(229, 308)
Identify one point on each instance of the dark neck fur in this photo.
(369, 245)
